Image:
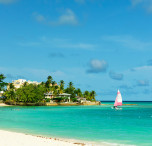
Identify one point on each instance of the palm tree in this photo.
(25, 84)
(11, 86)
(61, 82)
(70, 84)
(53, 83)
(92, 95)
(61, 87)
(50, 79)
(87, 95)
(55, 90)
(48, 83)
(78, 92)
(2, 83)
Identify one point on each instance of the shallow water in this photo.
(132, 125)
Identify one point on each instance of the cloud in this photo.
(142, 68)
(146, 4)
(128, 42)
(7, 1)
(126, 87)
(57, 43)
(116, 76)
(39, 17)
(142, 83)
(56, 55)
(67, 18)
(97, 66)
(136, 2)
(15, 77)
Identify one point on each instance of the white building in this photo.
(20, 82)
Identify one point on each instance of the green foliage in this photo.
(74, 99)
(30, 94)
(47, 100)
(48, 83)
(58, 99)
(26, 94)
(61, 90)
(92, 95)
(78, 92)
(71, 90)
(2, 83)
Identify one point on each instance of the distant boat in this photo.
(118, 101)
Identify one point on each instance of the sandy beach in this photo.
(3, 104)
(8, 138)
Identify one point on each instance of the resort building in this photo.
(51, 96)
(81, 99)
(20, 82)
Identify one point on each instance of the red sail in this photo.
(118, 101)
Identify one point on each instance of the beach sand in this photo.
(3, 104)
(19, 139)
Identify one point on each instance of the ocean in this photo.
(132, 125)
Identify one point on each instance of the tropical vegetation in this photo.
(34, 94)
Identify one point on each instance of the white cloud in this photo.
(84, 46)
(142, 68)
(58, 43)
(7, 1)
(142, 83)
(30, 73)
(115, 76)
(146, 4)
(136, 2)
(97, 66)
(39, 17)
(67, 18)
(128, 42)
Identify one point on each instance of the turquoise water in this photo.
(132, 125)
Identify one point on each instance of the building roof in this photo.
(63, 94)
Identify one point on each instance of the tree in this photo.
(92, 95)
(11, 86)
(2, 83)
(87, 95)
(55, 90)
(10, 94)
(71, 90)
(78, 92)
(30, 93)
(53, 83)
(48, 84)
(61, 87)
(50, 79)
(25, 83)
(70, 85)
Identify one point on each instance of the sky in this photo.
(100, 45)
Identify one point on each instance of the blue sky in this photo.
(99, 45)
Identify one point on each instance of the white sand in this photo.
(19, 139)
(3, 104)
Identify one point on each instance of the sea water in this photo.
(132, 125)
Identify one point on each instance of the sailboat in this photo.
(118, 101)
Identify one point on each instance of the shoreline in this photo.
(53, 104)
(8, 138)
(66, 104)
(3, 104)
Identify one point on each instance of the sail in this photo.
(118, 101)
